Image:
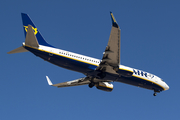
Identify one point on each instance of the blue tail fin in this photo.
(27, 21)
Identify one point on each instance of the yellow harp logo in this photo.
(35, 29)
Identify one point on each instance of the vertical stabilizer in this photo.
(27, 21)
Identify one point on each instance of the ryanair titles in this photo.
(142, 74)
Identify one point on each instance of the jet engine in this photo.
(105, 86)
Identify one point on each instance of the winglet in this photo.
(114, 23)
(48, 80)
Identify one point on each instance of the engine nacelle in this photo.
(105, 86)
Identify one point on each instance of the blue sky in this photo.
(149, 41)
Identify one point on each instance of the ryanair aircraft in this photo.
(99, 73)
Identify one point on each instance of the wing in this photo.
(77, 82)
(111, 57)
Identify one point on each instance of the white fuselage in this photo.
(83, 64)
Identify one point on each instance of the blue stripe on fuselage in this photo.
(63, 61)
(140, 82)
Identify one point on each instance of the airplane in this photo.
(98, 73)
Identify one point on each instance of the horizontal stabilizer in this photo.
(30, 41)
(31, 38)
(18, 50)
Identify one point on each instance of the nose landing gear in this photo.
(156, 91)
(155, 94)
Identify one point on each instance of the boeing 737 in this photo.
(98, 73)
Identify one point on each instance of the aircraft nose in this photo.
(166, 87)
